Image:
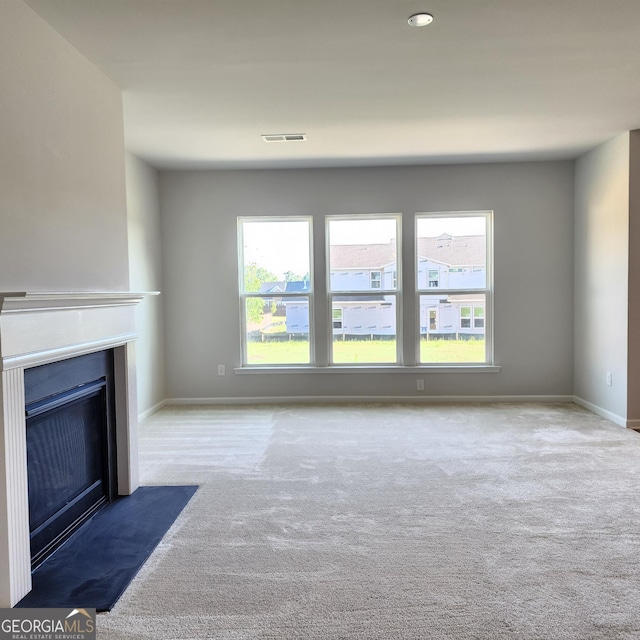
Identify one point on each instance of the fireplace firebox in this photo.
(70, 447)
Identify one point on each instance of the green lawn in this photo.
(286, 352)
(439, 351)
(365, 351)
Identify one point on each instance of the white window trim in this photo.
(487, 290)
(320, 304)
(397, 293)
(365, 369)
(243, 295)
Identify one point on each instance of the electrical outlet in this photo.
(420, 384)
(221, 370)
(609, 380)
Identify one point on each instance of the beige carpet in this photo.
(475, 521)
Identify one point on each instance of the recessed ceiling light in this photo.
(420, 19)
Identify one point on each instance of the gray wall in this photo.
(62, 186)
(145, 275)
(533, 204)
(601, 275)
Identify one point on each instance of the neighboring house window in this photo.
(461, 242)
(337, 318)
(433, 278)
(467, 313)
(275, 290)
(433, 319)
(359, 249)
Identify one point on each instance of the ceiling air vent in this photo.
(285, 137)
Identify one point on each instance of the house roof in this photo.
(273, 287)
(447, 249)
(453, 250)
(361, 256)
(297, 286)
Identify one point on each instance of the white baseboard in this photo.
(365, 399)
(149, 412)
(609, 415)
(256, 400)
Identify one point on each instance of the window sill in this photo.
(420, 369)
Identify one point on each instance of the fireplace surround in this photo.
(38, 329)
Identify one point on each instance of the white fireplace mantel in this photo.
(39, 328)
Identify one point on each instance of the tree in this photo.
(290, 276)
(254, 278)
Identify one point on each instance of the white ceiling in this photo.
(202, 80)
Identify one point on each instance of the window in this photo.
(363, 274)
(465, 317)
(356, 319)
(456, 315)
(433, 319)
(337, 318)
(275, 290)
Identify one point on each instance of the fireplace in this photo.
(70, 447)
(62, 330)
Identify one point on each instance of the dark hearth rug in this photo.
(95, 566)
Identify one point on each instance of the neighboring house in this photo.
(282, 316)
(364, 315)
(444, 263)
(452, 262)
(271, 297)
(297, 309)
(363, 267)
(449, 262)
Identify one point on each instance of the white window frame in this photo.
(245, 295)
(487, 290)
(392, 292)
(375, 278)
(320, 297)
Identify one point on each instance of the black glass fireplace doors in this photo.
(70, 447)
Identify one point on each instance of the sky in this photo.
(277, 246)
